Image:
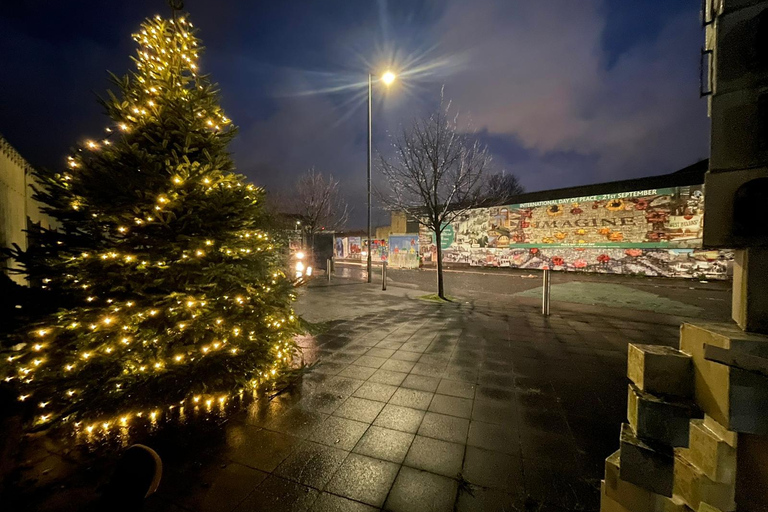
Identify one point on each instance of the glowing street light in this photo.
(387, 78)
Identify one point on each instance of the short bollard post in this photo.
(384, 275)
(545, 293)
(328, 269)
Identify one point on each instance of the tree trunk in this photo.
(438, 243)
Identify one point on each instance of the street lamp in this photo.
(387, 78)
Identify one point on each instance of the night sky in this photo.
(564, 92)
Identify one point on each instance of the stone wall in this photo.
(17, 208)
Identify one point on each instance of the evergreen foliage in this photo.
(172, 284)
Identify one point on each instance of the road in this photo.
(710, 300)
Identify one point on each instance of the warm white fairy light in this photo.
(162, 48)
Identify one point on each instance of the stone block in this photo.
(645, 464)
(711, 454)
(673, 504)
(664, 420)
(633, 497)
(607, 504)
(729, 395)
(660, 370)
(625, 493)
(729, 436)
(695, 487)
(749, 300)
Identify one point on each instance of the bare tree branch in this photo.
(318, 201)
(501, 187)
(436, 173)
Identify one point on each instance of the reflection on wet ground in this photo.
(413, 405)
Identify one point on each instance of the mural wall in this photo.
(404, 251)
(355, 247)
(380, 250)
(401, 251)
(651, 232)
(348, 247)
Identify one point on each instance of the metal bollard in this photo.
(384, 275)
(328, 269)
(545, 293)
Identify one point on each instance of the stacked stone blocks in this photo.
(679, 449)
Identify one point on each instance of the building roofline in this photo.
(691, 175)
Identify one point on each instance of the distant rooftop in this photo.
(691, 175)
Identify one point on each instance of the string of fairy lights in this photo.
(107, 328)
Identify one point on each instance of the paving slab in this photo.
(421, 491)
(401, 418)
(364, 479)
(415, 405)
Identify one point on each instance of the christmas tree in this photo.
(172, 286)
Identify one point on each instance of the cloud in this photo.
(538, 74)
(556, 106)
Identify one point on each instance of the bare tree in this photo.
(435, 175)
(318, 201)
(501, 187)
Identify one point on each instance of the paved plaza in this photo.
(408, 404)
(414, 405)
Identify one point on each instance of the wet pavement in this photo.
(685, 297)
(416, 405)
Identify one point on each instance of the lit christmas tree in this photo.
(173, 289)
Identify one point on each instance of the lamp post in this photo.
(387, 78)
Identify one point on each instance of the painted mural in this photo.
(651, 232)
(380, 250)
(354, 248)
(348, 247)
(404, 251)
